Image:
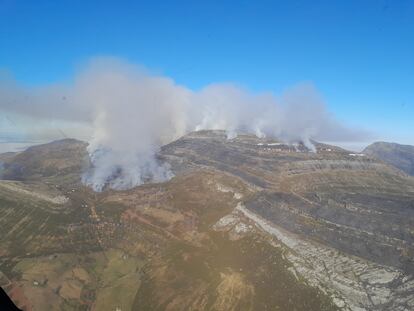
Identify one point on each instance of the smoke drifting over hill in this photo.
(133, 113)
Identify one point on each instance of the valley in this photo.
(244, 224)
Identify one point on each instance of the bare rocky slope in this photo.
(245, 224)
(400, 156)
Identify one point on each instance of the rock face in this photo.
(355, 204)
(400, 156)
(332, 207)
(245, 224)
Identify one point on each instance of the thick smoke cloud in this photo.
(133, 113)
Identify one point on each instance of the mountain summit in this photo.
(400, 156)
(244, 224)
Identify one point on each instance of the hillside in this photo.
(245, 224)
(400, 156)
(65, 157)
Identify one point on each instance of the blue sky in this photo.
(359, 54)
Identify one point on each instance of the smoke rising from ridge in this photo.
(132, 113)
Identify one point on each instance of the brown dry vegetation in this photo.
(154, 247)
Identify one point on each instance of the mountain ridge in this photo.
(400, 156)
(241, 220)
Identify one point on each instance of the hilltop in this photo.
(245, 224)
(400, 156)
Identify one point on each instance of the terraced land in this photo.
(245, 224)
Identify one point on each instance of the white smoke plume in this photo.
(133, 113)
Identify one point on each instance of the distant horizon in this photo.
(22, 145)
(357, 55)
(207, 155)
